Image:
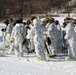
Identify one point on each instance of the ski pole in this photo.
(27, 55)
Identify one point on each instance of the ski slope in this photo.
(11, 65)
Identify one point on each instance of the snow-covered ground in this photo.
(11, 65)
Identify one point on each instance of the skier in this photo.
(18, 36)
(8, 32)
(30, 40)
(47, 41)
(52, 34)
(59, 36)
(38, 36)
(71, 39)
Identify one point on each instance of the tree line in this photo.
(27, 7)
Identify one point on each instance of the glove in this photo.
(24, 42)
(48, 40)
(3, 29)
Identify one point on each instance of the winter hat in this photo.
(52, 20)
(67, 20)
(17, 21)
(56, 22)
(32, 18)
(46, 20)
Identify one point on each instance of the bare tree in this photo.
(26, 7)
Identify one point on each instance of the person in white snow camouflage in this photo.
(59, 37)
(18, 36)
(38, 37)
(71, 39)
(52, 34)
(8, 32)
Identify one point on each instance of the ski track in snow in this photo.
(11, 65)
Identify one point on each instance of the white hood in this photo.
(35, 21)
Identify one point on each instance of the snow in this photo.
(12, 65)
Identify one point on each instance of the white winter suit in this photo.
(71, 39)
(59, 38)
(38, 36)
(31, 42)
(52, 34)
(8, 34)
(18, 36)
